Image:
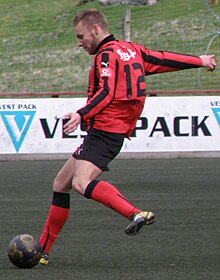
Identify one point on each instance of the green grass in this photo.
(38, 48)
(183, 243)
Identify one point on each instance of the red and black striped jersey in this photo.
(117, 88)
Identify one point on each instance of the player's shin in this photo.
(57, 218)
(110, 196)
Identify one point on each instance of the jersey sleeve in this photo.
(159, 61)
(102, 83)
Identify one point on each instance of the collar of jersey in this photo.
(109, 38)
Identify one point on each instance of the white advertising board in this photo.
(167, 124)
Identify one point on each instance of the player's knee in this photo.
(60, 186)
(57, 184)
(78, 185)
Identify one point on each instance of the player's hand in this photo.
(209, 62)
(72, 124)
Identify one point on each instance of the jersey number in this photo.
(140, 79)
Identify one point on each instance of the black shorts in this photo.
(100, 148)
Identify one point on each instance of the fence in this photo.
(38, 51)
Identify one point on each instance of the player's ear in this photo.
(96, 30)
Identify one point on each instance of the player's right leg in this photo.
(59, 210)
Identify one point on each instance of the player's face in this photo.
(86, 38)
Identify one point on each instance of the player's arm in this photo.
(209, 62)
(105, 73)
(159, 62)
(74, 119)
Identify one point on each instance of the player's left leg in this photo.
(59, 210)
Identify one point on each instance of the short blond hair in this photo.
(90, 17)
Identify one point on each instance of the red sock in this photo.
(108, 195)
(57, 217)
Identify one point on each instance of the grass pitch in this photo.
(183, 244)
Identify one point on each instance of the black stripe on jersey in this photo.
(96, 78)
(102, 95)
(105, 50)
(116, 76)
(167, 62)
(105, 60)
(97, 99)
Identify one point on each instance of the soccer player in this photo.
(116, 96)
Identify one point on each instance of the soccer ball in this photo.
(24, 251)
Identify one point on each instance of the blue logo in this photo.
(216, 112)
(17, 124)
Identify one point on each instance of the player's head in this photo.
(91, 28)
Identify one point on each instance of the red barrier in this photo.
(83, 94)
